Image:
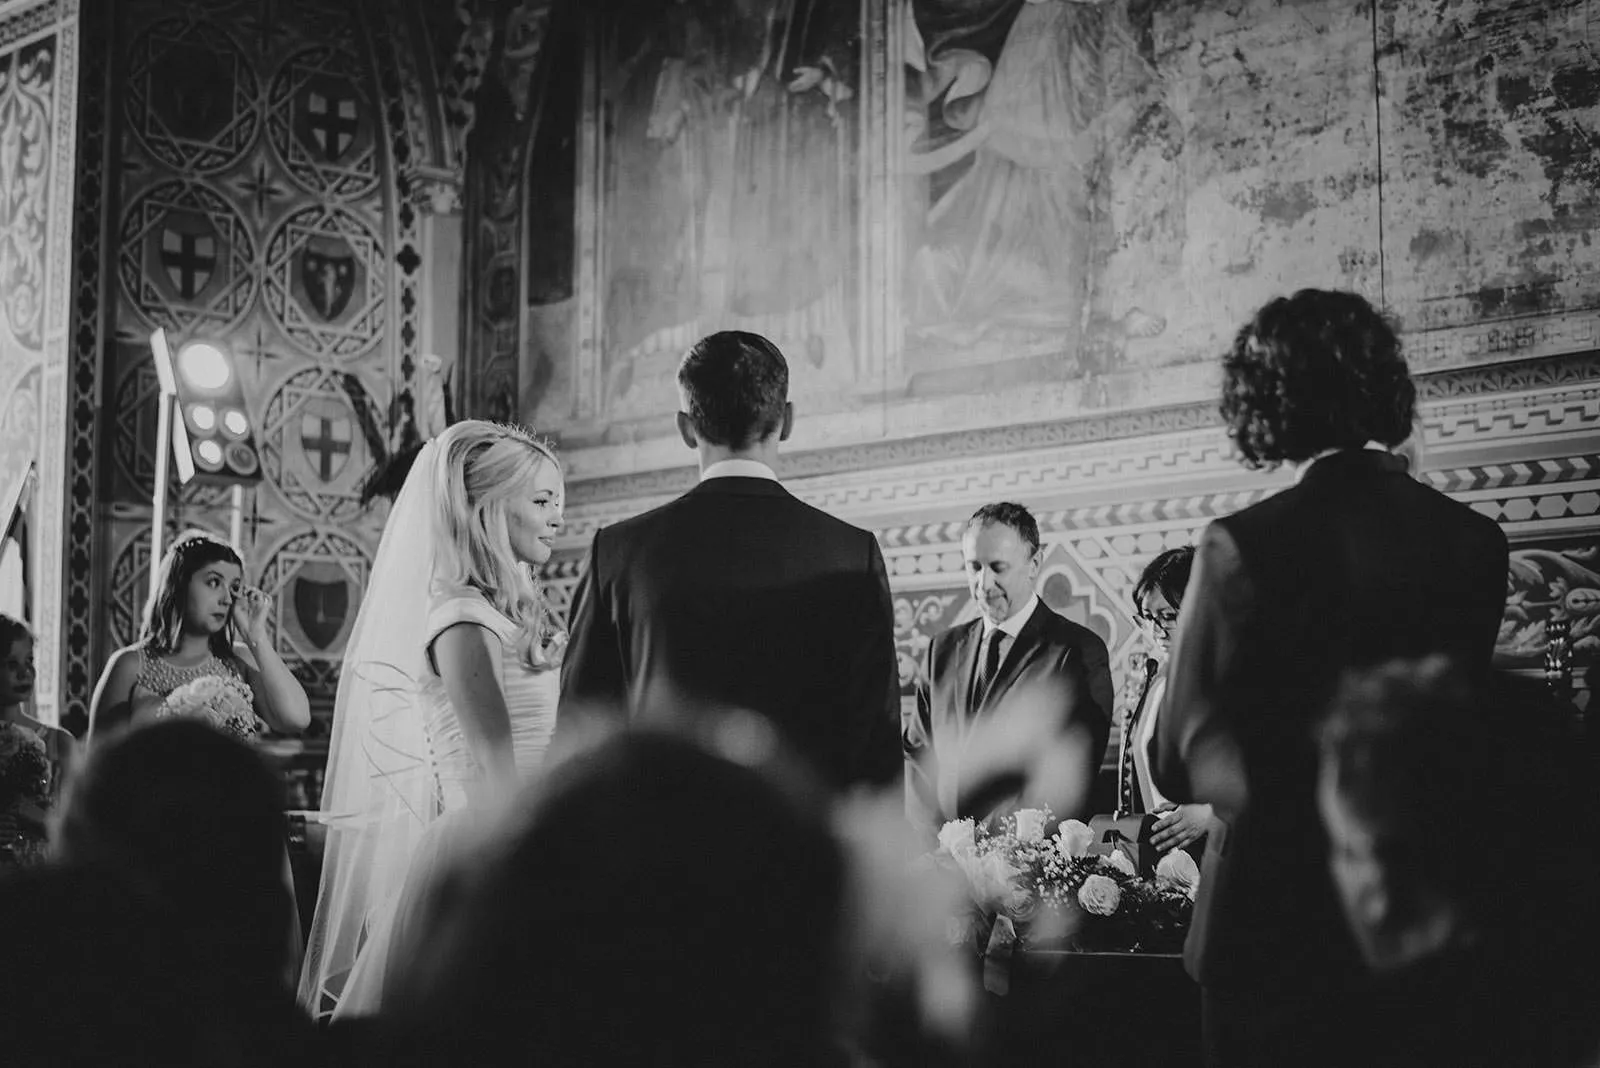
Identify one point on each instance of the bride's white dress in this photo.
(531, 702)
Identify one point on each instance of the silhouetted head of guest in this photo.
(1455, 812)
(96, 972)
(1158, 595)
(733, 389)
(1316, 371)
(655, 903)
(1001, 551)
(194, 820)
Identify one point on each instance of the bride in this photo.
(447, 699)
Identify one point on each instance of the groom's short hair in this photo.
(735, 385)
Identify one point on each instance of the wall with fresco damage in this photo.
(955, 215)
(39, 51)
(1047, 220)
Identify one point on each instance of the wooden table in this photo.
(1092, 1010)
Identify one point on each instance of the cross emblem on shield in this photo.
(330, 120)
(188, 253)
(326, 437)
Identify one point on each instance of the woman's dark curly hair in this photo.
(1318, 370)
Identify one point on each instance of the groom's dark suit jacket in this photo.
(737, 595)
(1051, 658)
(1357, 564)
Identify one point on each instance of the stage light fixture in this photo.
(211, 395)
(200, 392)
(208, 454)
(204, 366)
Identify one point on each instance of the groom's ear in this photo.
(787, 426)
(686, 431)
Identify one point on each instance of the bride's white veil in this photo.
(379, 792)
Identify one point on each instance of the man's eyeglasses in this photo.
(1162, 620)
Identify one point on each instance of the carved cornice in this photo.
(1475, 383)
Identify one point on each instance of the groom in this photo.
(737, 595)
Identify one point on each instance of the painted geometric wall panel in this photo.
(38, 75)
(326, 282)
(316, 580)
(314, 449)
(321, 124)
(191, 96)
(266, 155)
(187, 260)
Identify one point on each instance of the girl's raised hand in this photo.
(250, 609)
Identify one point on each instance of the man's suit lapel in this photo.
(1024, 647)
(966, 660)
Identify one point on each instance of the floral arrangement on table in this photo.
(223, 701)
(1033, 890)
(24, 766)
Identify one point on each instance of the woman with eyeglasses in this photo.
(1157, 596)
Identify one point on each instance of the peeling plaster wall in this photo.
(1491, 158)
(1438, 157)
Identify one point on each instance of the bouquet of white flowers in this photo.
(221, 700)
(24, 765)
(1035, 888)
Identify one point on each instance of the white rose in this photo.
(1179, 867)
(1030, 824)
(1100, 895)
(1119, 860)
(998, 883)
(958, 837)
(1073, 838)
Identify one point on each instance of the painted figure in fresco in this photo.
(1016, 157)
(730, 186)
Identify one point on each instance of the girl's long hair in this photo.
(163, 616)
(489, 465)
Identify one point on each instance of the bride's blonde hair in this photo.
(487, 465)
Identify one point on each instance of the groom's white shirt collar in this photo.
(738, 469)
(1303, 466)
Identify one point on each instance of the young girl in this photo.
(199, 609)
(36, 755)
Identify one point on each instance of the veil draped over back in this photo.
(380, 792)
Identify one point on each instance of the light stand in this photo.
(166, 401)
(200, 385)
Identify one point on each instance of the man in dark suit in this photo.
(1354, 564)
(737, 596)
(1014, 706)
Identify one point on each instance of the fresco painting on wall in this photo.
(730, 188)
(1084, 199)
(1490, 208)
(1016, 109)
